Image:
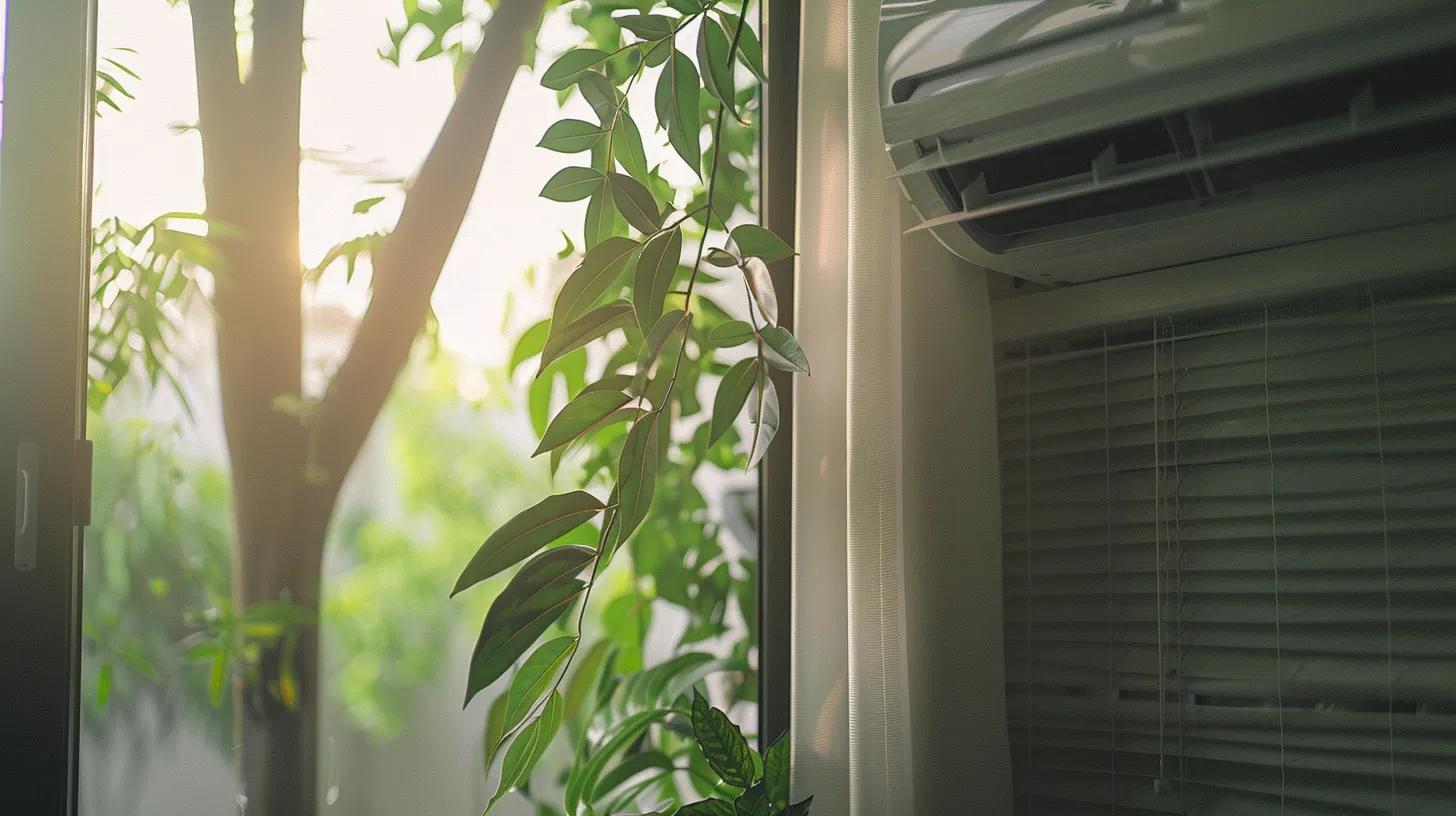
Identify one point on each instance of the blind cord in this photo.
(1112, 693)
(1160, 785)
(1274, 538)
(1385, 545)
(1029, 648)
(1177, 543)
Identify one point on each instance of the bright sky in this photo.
(356, 106)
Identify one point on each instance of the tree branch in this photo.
(274, 92)
(215, 49)
(277, 73)
(407, 267)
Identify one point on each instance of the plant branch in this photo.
(409, 263)
(667, 395)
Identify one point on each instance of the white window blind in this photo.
(1230, 561)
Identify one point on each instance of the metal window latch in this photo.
(28, 492)
(27, 504)
(81, 509)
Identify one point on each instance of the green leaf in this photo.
(532, 341)
(707, 807)
(686, 6)
(635, 203)
(141, 665)
(529, 531)
(699, 778)
(551, 569)
(627, 147)
(528, 748)
(495, 729)
(601, 94)
(752, 802)
(365, 205)
(722, 744)
(667, 326)
(535, 677)
(350, 251)
(610, 538)
(761, 285)
(799, 808)
(584, 679)
(776, 774)
(732, 333)
(591, 326)
(713, 58)
(538, 401)
(765, 419)
(630, 767)
(721, 258)
(611, 382)
(204, 652)
(103, 685)
(569, 67)
(681, 684)
(598, 270)
(654, 683)
(783, 342)
(750, 50)
(628, 795)
(755, 241)
(571, 136)
(647, 26)
(600, 223)
(535, 597)
(677, 108)
(657, 54)
(733, 392)
(638, 478)
(584, 775)
(572, 184)
(579, 416)
(219, 674)
(622, 415)
(655, 270)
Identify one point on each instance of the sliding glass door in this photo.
(44, 201)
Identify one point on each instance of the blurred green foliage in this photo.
(156, 565)
(158, 561)
(387, 618)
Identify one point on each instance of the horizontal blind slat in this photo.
(1221, 442)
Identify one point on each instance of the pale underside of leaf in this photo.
(760, 284)
(765, 418)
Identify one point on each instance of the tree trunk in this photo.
(287, 470)
(278, 757)
(278, 729)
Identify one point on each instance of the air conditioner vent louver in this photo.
(1201, 156)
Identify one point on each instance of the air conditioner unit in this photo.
(1065, 141)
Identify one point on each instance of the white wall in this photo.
(952, 535)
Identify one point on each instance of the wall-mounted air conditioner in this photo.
(1065, 141)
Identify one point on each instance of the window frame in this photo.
(45, 193)
(778, 195)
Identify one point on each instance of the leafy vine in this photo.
(630, 730)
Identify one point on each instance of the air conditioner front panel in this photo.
(1225, 46)
(1213, 71)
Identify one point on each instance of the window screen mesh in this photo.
(1230, 561)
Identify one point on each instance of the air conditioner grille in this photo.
(1208, 154)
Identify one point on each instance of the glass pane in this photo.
(218, 494)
